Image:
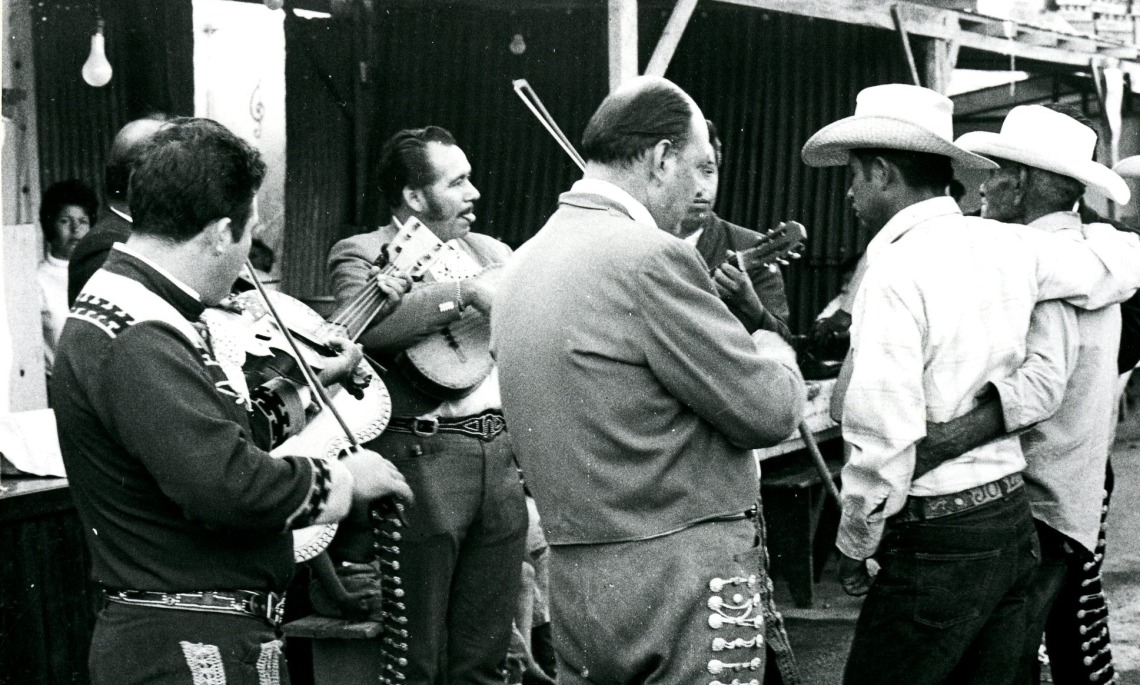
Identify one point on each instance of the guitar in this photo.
(774, 247)
(453, 362)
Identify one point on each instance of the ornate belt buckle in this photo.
(431, 429)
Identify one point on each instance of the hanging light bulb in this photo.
(97, 70)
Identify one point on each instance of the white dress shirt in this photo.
(944, 310)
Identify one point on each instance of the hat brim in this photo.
(832, 144)
(1086, 171)
(1129, 166)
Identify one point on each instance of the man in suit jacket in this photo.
(115, 227)
(461, 558)
(756, 298)
(634, 397)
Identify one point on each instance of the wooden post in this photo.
(623, 41)
(940, 58)
(670, 37)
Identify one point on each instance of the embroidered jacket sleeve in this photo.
(884, 413)
(1034, 391)
(165, 409)
(752, 392)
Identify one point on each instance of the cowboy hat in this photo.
(894, 116)
(1129, 166)
(1039, 137)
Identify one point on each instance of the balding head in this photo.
(125, 149)
(635, 117)
(650, 139)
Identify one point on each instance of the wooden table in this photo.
(47, 603)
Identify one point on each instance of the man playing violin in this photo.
(188, 521)
(460, 559)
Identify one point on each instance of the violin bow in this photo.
(534, 104)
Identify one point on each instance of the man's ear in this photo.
(221, 233)
(414, 199)
(663, 156)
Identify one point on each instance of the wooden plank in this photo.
(940, 56)
(326, 627)
(622, 41)
(25, 386)
(670, 37)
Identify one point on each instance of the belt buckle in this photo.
(490, 425)
(432, 429)
(270, 607)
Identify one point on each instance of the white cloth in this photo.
(1066, 454)
(595, 186)
(52, 278)
(944, 310)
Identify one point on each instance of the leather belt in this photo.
(925, 508)
(268, 606)
(485, 426)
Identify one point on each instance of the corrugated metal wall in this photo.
(769, 80)
(150, 45)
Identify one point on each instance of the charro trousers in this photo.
(461, 556)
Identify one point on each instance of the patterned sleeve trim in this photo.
(314, 504)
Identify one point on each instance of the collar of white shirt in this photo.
(1058, 221)
(909, 218)
(595, 186)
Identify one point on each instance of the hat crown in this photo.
(919, 106)
(1050, 133)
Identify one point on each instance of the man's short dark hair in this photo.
(628, 124)
(404, 161)
(718, 147)
(117, 173)
(919, 169)
(192, 173)
(64, 193)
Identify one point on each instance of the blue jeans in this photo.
(949, 603)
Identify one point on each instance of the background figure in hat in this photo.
(636, 396)
(943, 309)
(1046, 163)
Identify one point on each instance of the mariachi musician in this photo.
(461, 557)
(188, 521)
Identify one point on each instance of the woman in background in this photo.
(69, 209)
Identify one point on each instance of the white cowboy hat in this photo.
(1037, 136)
(1129, 166)
(894, 116)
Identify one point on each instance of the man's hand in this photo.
(393, 287)
(480, 290)
(854, 576)
(375, 477)
(343, 368)
(835, 326)
(736, 289)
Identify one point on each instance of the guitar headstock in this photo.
(413, 251)
(776, 246)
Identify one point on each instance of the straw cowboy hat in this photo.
(1037, 136)
(1129, 166)
(894, 116)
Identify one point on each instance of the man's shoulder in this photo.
(364, 245)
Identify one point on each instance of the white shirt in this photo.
(1066, 454)
(52, 278)
(944, 310)
(595, 186)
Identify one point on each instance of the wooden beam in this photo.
(971, 31)
(941, 56)
(904, 41)
(670, 37)
(623, 41)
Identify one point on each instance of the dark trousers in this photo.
(639, 612)
(1059, 562)
(461, 557)
(948, 605)
(133, 644)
